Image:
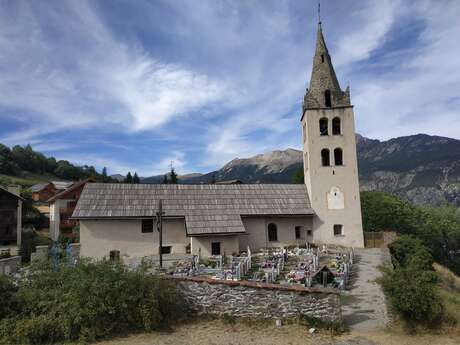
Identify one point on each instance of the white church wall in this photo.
(99, 237)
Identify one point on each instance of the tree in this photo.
(213, 179)
(173, 177)
(165, 179)
(129, 178)
(299, 176)
(136, 179)
(104, 172)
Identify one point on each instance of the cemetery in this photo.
(307, 266)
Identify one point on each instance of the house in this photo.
(43, 191)
(62, 206)
(10, 215)
(227, 218)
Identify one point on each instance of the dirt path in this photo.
(363, 306)
(220, 333)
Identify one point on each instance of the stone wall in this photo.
(10, 265)
(258, 300)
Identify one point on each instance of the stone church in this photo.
(225, 219)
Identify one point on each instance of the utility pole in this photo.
(159, 220)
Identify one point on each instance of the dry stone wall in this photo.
(258, 300)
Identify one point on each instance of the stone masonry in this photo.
(253, 300)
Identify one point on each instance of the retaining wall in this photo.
(10, 265)
(258, 300)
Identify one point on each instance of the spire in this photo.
(323, 78)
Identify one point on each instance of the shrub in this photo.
(8, 304)
(413, 294)
(88, 302)
(407, 247)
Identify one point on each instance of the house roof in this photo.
(208, 209)
(38, 187)
(11, 193)
(70, 189)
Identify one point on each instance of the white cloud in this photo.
(85, 77)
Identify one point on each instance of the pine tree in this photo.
(136, 179)
(104, 172)
(129, 178)
(165, 179)
(173, 177)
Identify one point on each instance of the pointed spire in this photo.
(323, 78)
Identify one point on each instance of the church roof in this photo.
(207, 209)
(323, 78)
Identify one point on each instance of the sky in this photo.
(136, 85)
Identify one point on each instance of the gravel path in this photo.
(363, 306)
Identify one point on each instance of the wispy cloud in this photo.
(138, 85)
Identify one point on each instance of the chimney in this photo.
(15, 189)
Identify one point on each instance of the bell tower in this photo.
(329, 154)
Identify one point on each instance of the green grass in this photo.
(27, 179)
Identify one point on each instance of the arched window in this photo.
(336, 130)
(338, 156)
(327, 98)
(272, 232)
(323, 124)
(325, 159)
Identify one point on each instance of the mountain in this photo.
(421, 168)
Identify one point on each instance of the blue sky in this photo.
(134, 85)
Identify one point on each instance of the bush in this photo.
(408, 247)
(89, 302)
(8, 303)
(412, 286)
(437, 227)
(413, 294)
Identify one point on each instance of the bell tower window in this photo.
(325, 159)
(338, 156)
(336, 130)
(323, 124)
(322, 58)
(327, 99)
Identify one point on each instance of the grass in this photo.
(28, 179)
(450, 293)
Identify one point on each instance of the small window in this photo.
(327, 99)
(322, 58)
(309, 232)
(298, 232)
(215, 248)
(147, 225)
(338, 229)
(272, 232)
(336, 130)
(338, 156)
(166, 250)
(323, 124)
(325, 159)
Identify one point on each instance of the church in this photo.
(218, 219)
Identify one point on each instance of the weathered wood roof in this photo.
(208, 209)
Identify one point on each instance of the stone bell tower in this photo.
(330, 159)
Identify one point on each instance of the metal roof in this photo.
(208, 209)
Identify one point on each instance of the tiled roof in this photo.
(208, 209)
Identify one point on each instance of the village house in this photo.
(227, 218)
(61, 207)
(10, 215)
